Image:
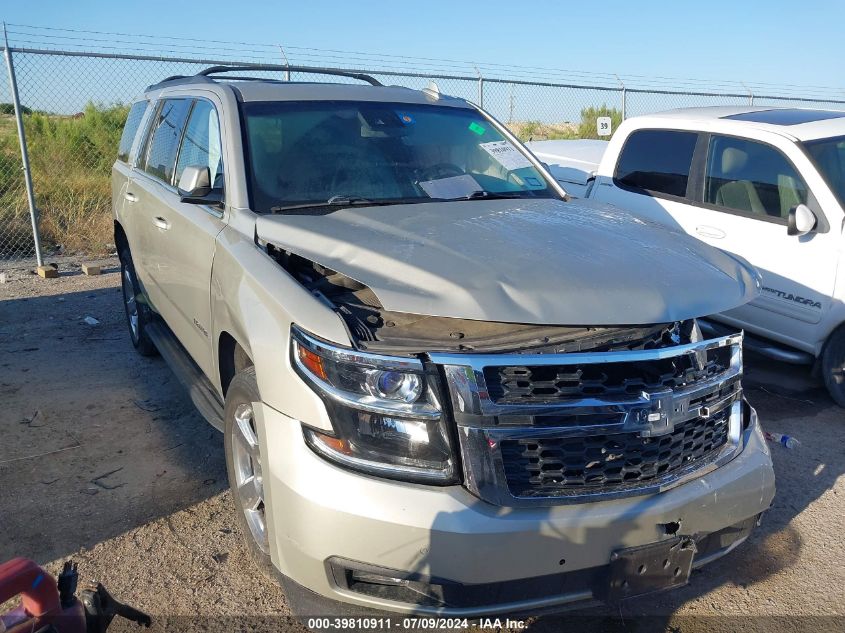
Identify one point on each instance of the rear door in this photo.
(122, 168)
(652, 177)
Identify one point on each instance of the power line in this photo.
(523, 71)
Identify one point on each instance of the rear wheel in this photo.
(138, 313)
(243, 463)
(833, 365)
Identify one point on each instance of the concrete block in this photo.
(47, 272)
(91, 269)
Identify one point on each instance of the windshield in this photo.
(829, 156)
(312, 152)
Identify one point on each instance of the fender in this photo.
(256, 301)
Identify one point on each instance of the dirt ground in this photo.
(103, 459)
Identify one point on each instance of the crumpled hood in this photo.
(536, 261)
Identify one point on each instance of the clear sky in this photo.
(772, 42)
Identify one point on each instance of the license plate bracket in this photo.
(648, 568)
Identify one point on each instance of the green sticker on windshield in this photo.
(477, 128)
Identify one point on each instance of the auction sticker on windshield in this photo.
(506, 155)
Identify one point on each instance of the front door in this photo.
(735, 194)
(749, 188)
(176, 239)
(189, 242)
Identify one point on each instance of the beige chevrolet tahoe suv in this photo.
(444, 387)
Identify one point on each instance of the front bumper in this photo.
(322, 517)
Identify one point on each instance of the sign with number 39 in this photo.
(604, 126)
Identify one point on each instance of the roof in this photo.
(274, 89)
(787, 116)
(800, 123)
(296, 91)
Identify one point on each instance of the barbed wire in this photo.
(36, 36)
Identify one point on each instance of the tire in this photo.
(833, 365)
(138, 313)
(243, 464)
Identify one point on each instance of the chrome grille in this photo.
(554, 428)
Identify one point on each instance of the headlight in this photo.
(385, 412)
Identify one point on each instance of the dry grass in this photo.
(71, 158)
(537, 131)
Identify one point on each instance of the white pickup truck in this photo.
(767, 184)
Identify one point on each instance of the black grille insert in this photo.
(552, 383)
(555, 466)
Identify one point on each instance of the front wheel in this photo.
(833, 365)
(243, 463)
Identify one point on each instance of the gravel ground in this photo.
(103, 459)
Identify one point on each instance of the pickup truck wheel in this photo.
(243, 463)
(137, 312)
(833, 365)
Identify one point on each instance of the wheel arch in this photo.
(232, 358)
(120, 239)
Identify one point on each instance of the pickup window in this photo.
(829, 156)
(752, 178)
(657, 161)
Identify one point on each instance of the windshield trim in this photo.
(553, 187)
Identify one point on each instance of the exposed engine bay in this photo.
(375, 329)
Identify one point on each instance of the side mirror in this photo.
(801, 220)
(195, 186)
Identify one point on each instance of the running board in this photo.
(199, 387)
(760, 346)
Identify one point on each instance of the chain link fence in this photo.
(16, 239)
(74, 105)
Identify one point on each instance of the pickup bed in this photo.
(765, 184)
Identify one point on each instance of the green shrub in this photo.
(9, 108)
(587, 127)
(71, 159)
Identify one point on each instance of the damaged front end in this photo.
(534, 415)
(375, 329)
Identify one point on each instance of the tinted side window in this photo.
(133, 120)
(752, 178)
(201, 143)
(657, 161)
(829, 156)
(166, 132)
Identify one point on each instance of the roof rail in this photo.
(204, 76)
(214, 70)
(183, 79)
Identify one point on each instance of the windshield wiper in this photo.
(346, 201)
(489, 195)
(334, 201)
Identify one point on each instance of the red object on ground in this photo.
(39, 599)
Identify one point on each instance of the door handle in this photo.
(130, 197)
(161, 223)
(710, 231)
